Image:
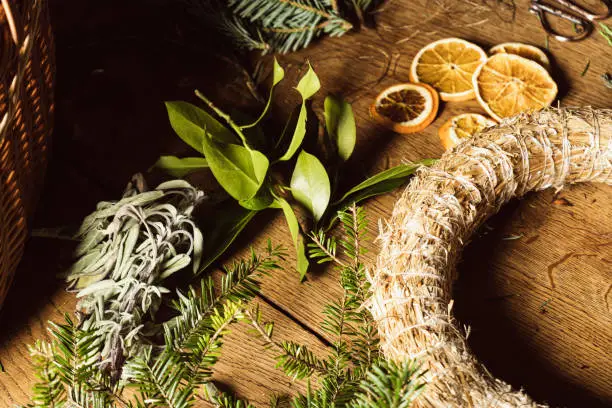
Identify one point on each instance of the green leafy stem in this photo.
(243, 166)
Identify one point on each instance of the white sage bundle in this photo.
(127, 249)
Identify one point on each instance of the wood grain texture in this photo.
(553, 340)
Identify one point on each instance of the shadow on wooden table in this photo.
(496, 336)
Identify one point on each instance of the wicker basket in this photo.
(26, 117)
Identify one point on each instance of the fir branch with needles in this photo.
(67, 369)
(281, 25)
(288, 25)
(160, 380)
(389, 385)
(354, 373)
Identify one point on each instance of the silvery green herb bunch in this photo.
(243, 158)
(127, 249)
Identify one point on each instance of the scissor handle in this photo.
(584, 12)
(582, 20)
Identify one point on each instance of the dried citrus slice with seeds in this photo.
(406, 108)
(461, 127)
(524, 50)
(508, 84)
(448, 66)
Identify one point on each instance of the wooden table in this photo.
(539, 306)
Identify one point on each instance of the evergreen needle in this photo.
(586, 68)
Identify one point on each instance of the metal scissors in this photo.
(582, 18)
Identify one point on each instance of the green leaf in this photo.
(309, 84)
(239, 170)
(278, 73)
(222, 230)
(398, 172)
(260, 165)
(180, 167)
(307, 87)
(381, 183)
(294, 229)
(340, 124)
(192, 123)
(377, 189)
(310, 184)
(262, 200)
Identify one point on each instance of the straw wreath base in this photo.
(435, 217)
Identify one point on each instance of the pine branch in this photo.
(203, 351)
(323, 249)
(288, 25)
(67, 370)
(69, 366)
(225, 400)
(354, 223)
(264, 330)
(279, 25)
(353, 366)
(390, 385)
(75, 353)
(161, 381)
(239, 284)
(295, 360)
(335, 319)
(48, 390)
(241, 280)
(236, 29)
(299, 362)
(205, 316)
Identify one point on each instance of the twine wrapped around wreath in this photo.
(435, 217)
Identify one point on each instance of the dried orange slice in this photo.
(508, 84)
(461, 127)
(448, 66)
(524, 50)
(406, 108)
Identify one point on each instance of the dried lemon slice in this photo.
(507, 84)
(448, 66)
(406, 108)
(524, 50)
(461, 127)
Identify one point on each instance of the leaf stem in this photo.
(223, 116)
(356, 261)
(358, 11)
